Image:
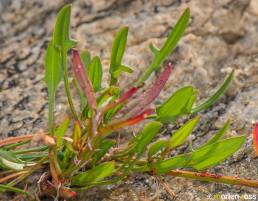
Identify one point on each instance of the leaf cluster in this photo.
(86, 152)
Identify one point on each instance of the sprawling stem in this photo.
(203, 176)
(12, 140)
(13, 175)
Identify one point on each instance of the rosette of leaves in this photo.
(83, 151)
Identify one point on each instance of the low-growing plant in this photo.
(84, 150)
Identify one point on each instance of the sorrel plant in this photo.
(84, 150)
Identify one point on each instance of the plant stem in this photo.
(203, 176)
(51, 121)
(12, 140)
(66, 83)
(13, 175)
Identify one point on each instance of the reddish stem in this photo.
(255, 138)
(12, 140)
(204, 176)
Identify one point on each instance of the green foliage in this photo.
(61, 36)
(117, 54)
(210, 101)
(85, 150)
(178, 104)
(145, 136)
(168, 46)
(95, 73)
(95, 174)
(181, 134)
(60, 132)
(166, 165)
(215, 153)
(155, 147)
(53, 75)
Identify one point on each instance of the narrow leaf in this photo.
(8, 160)
(131, 121)
(82, 78)
(61, 37)
(95, 73)
(93, 175)
(215, 96)
(77, 132)
(218, 135)
(86, 59)
(157, 146)
(168, 46)
(60, 132)
(118, 48)
(83, 99)
(166, 165)
(53, 75)
(13, 189)
(215, 153)
(145, 136)
(102, 150)
(154, 49)
(176, 105)
(150, 94)
(121, 69)
(181, 134)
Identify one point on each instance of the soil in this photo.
(222, 35)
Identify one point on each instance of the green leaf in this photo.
(83, 99)
(166, 165)
(118, 48)
(60, 132)
(154, 49)
(61, 36)
(53, 75)
(112, 112)
(62, 41)
(77, 132)
(8, 160)
(121, 69)
(181, 134)
(13, 189)
(85, 56)
(168, 46)
(6, 164)
(30, 149)
(145, 136)
(215, 153)
(215, 96)
(155, 147)
(176, 105)
(102, 150)
(218, 135)
(93, 175)
(95, 73)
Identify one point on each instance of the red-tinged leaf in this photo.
(150, 94)
(255, 138)
(83, 79)
(140, 117)
(128, 122)
(128, 94)
(124, 97)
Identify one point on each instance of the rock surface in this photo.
(222, 35)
